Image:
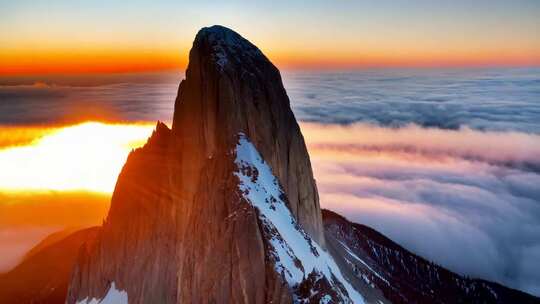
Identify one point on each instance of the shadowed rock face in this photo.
(43, 276)
(231, 87)
(178, 230)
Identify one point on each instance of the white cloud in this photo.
(452, 196)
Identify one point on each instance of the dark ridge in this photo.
(414, 279)
(43, 277)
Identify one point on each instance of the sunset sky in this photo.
(417, 114)
(98, 36)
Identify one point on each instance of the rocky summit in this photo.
(184, 226)
(223, 208)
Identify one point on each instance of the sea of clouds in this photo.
(485, 99)
(466, 199)
(444, 162)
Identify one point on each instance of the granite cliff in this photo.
(184, 225)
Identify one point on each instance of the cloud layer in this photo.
(466, 199)
(66, 104)
(446, 162)
(487, 99)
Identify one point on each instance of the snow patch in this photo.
(326, 300)
(352, 254)
(296, 255)
(113, 296)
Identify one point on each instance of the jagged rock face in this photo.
(179, 229)
(136, 247)
(231, 87)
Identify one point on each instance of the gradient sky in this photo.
(99, 36)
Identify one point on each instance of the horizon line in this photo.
(97, 70)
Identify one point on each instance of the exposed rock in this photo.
(404, 277)
(369, 256)
(43, 276)
(231, 87)
(178, 230)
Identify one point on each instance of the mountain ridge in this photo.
(405, 277)
(25, 295)
(43, 275)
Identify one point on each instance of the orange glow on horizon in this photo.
(53, 208)
(125, 61)
(87, 156)
(25, 62)
(404, 58)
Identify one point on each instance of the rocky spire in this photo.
(180, 228)
(231, 87)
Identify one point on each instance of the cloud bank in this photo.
(468, 200)
(444, 161)
(485, 99)
(67, 104)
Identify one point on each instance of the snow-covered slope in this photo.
(404, 277)
(295, 255)
(113, 296)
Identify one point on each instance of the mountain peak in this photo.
(231, 88)
(179, 206)
(226, 47)
(223, 36)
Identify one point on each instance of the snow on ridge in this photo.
(296, 255)
(113, 296)
(352, 254)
